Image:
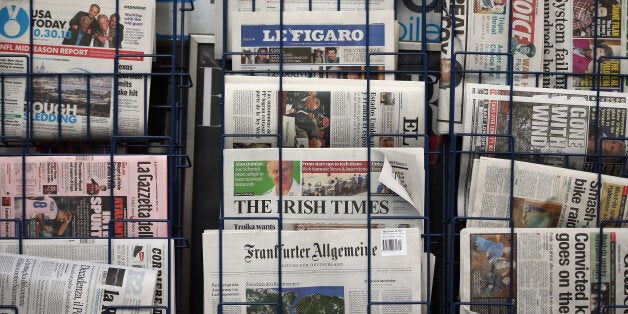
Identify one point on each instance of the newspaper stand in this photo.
(431, 219)
(163, 137)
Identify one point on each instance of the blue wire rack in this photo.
(162, 134)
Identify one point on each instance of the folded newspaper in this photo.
(550, 126)
(319, 112)
(549, 270)
(73, 50)
(154, 254)
(323, 271)
(544, 196)
(315, 42)
(47, 285)
(71, 196)
(323, 188)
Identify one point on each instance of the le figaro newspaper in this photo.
(71, 196)
(69, 51)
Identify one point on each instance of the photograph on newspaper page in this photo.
(317, 114)
(79, 42)
(73, 286)
(71, 196)
(324, 188)
(548, 270)
(545, 196)
(486, 37)
(144, 253)
(321, 271)
(315, 42)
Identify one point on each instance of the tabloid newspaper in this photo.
(68, 39)
(323, 187)
(70, 196)
(549, 270)
(47, 285)
(322, 112)
(323, 270)
(480, 27)
(137, 253)
(544, 196)
(315, 42)
(570, 40)
(544, 121)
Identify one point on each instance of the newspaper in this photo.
(152, 254)
(549, 126)
(323, 188)
(72, 196)
(322, 270)
(544, 196)
(46, 285)
(315, 43)
(322, 112)
(481, 28)
(549, 270)
(411, 24)
(72, 66)
(570, 41)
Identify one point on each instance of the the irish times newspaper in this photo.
(154, 254)
(323, 271)
(564, 270)
(318, 112)
(47, 285)
(72, 45)
(324, 188)
(71, 196)
(543, 196)
(559, 127)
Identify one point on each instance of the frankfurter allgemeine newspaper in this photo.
(70, 196)
(72, 45)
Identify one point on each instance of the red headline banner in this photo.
(70, 51)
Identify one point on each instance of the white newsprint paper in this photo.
(544, 196)
(323, 188)
(318, 112)
(138, 253)
(315, 42)
(71, 45)
(47, 285)
(322, 271)
(564, 270)
(71, 196)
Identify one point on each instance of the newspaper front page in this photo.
(47, 285)
(70, 196)
(322, 112)
(138, 253)
(315, 42)
(321, 271)
(549, 270)
(544, 121)
(544, 196)
(69, 39)
(481, 27)
(324, 188)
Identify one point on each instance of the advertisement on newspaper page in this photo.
(138, 253)
(544, 196)
(549, 270)
(79, 42)
(71, 196)
(323, 188)
(47, 285)
(322, 112)
(486, 37)
(315, 42)
(546, 125)
(323, 271)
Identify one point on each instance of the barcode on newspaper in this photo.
(84, 158)
(393, 242)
